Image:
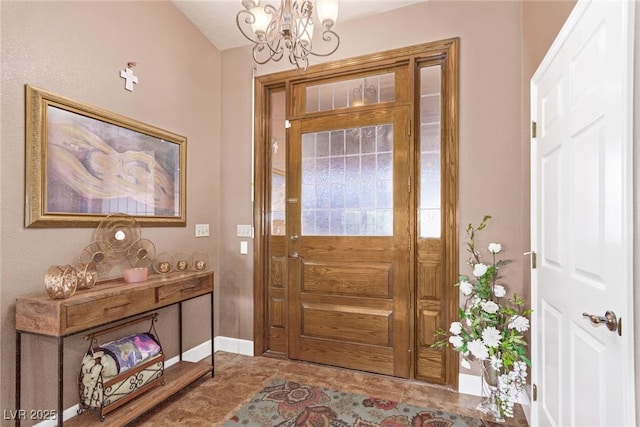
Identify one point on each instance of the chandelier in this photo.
(288, 29)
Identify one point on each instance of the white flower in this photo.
(520, 368)
(456, 328)
(465, 363)
(494, 248)
(491, 337)
(510, 386)
(466, 288)
(519, 323)
(479, 269)
(478, 349)
(496, 362)
(456, 340)
(490, 307)
(499, 291)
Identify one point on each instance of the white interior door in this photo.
(582, 220)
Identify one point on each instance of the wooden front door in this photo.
(356, 212)
(349, 240)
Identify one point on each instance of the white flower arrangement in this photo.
(490, 329)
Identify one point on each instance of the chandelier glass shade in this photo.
(288, 29)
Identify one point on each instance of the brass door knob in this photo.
(608, 319)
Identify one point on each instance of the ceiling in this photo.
(216, 19)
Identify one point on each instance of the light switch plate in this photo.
(243, 230)
(202, 230)
(244, 248)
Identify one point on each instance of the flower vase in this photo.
(489, 392)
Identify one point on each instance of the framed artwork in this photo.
(84, 163)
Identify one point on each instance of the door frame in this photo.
(447, 51)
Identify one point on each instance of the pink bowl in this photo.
(137, 274)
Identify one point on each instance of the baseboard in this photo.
(233, 345)
(199, 352)
(194, 354)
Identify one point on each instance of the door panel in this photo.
(277, 305)
(349, 278)
(582, 220)
(349, 262)
(430, 301)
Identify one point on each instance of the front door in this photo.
(356, 218)
(582, 228)
(349, 240)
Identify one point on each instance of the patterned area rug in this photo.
(288, 404)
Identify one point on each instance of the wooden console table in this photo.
(108, 303)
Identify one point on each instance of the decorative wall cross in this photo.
(127, 74)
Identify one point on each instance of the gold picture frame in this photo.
(83, 163)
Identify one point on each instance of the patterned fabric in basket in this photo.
(129, 351)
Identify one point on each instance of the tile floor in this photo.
(211, 401)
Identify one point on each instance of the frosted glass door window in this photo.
(278, 164)
(430, 153)
(347, 182)
(351, 93)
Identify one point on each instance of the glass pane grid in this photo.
(278, 164)
(347, 182)
(351, 93)
(430, 153)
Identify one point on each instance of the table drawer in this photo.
(175, 292)
(103, 310)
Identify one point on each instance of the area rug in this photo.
(287, 404)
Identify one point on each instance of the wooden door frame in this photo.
(261, 208)
(448, 51)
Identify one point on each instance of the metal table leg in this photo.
(180, 329)
(60, 379)
(18, 372)
(213, 355)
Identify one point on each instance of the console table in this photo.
(108, 303)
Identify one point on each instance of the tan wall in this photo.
(236, 275)
(77, 49)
